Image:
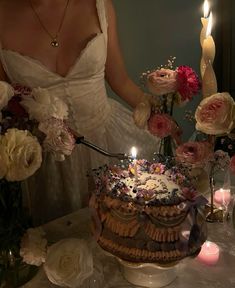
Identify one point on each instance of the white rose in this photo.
(141, 114)
(43, 105)
(4, 161)
(6, 92)
(68, 263)
(215, 115)
(33, 247)
(24, 152)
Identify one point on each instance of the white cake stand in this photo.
(148, 274)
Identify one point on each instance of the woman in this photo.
(70, 47)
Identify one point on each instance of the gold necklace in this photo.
(54, 39)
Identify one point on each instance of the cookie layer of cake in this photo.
(149, 218)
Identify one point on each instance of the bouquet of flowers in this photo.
(31, 122)
(169, 87)
(214, 118)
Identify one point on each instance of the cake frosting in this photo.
(147, 212)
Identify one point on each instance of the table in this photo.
(192, 273)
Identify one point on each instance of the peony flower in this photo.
(160, 125)
(216, 114)
(43, 105)
(232, 164)
(68, 263)
(162, 81)
(33, 247)
(59, 139)
(6, 92)
(188, 83)
(4, 161)
(194, 153)
(141, 114)
(24, 153)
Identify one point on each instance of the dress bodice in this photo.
(82, 88)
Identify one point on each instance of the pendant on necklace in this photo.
(54, 43)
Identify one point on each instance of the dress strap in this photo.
(101, 10)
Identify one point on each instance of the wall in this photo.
(152, 30)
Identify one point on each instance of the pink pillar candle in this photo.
(209, 253)
(222, 196)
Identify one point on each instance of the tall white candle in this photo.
(209, 82)
(204, 21)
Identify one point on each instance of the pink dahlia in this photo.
(160, 125)
(188, 83)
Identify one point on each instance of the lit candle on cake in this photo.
(209, 253)
(209, 83)
(134, 155)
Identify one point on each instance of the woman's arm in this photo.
(116, 73)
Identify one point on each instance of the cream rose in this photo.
(4, 161)
(162, 81)
(42, 105)
(216, 114)
(24, 152)
(68, 263)
(6, 93)
(33, 247)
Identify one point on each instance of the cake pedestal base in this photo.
(148, 274)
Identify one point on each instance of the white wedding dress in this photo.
(59, 188)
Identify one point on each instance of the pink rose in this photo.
(188, 83)
(232, 164)
(160, 125)
(162, 81)
(59, 139)
(194, 153)
(216, 114)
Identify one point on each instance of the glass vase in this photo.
(13, 223)
(167, 147)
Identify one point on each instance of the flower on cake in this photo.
(157, 168)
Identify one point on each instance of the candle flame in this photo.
(207, 244)
(134, 152)
(209, 27)
(206, 9)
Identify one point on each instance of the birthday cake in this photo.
(147, 212)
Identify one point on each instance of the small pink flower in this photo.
(188, 83)
(194, 153)
(162, 81)
(160, 125)
(157, 168)
(232, 164)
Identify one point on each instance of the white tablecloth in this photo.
(191, 274)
